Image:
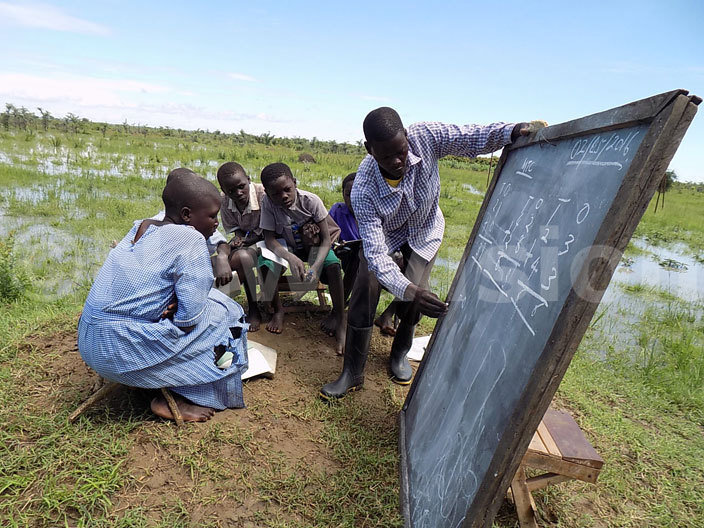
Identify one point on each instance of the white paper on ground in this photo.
(418, 348)
(262, 361)
(268, 254)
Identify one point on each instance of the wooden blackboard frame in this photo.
(668, 115)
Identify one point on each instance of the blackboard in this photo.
(559, 211)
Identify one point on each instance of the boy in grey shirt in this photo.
(287, 212)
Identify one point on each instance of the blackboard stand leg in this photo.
(525, 507)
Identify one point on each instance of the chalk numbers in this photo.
(512, 262)
(583, 213)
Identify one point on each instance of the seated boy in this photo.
(240, 213)
(343, 215)
(152, 318)
(285, 210)
(217, 245)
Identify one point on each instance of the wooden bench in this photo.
(290, 290)
(294, 290)
(560, 449)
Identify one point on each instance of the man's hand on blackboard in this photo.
(524, 129)
(428, 303)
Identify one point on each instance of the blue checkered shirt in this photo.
(388, 217)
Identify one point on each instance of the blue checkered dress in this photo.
(121, 334)
(388, 217)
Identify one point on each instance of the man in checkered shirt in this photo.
(395, 199)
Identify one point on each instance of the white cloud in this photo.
(138, 102)
(77, 90)
(46, 16)
(241, 77)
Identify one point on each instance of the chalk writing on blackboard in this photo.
(546, 208)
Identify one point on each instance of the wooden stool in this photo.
(108, 387)
(560, 449)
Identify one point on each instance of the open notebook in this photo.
(262, 360)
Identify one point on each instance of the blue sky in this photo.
(316, 68)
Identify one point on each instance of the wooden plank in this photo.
(543, 481)
(173, 407)
(548, 440)
(525, 507)
(286, 285)
(536, 444)
(613, 119)
(563, 467)
(94, 398)
(570, 439)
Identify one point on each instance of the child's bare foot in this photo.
(254, 318)
(189, 411)
(276, 325)
(329, 324)
(386, 324)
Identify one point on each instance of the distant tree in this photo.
(71, 121)
(669, 179)
(7, 115)
(45, 116)
(266, 138)
(23, 117)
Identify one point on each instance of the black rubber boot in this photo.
(399, 368)
(352, 377)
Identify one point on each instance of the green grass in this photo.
(653, 474)
(679, 221)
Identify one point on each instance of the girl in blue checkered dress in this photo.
(123, 332)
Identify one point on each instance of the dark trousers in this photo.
(366, 290)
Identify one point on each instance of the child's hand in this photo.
(310, 234)
(298, 269)
(236, 242)
(310, 229)
(170, 311)
(223, 272)
(312, 275)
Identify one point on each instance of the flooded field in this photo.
(66, 196)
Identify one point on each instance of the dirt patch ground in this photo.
(268, 464)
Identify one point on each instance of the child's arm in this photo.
(221, 265)
(297, 267)
(323, 250)
(193, 278)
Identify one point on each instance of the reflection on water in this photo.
(37, 193)
(669, 270)
(87, 163)
(655, 278)
(472, 189)
(60, 260)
